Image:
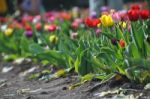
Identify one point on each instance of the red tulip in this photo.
(135, 7)
(145, 14)
(28, 28)
(88, 22)
(133, 15)
(38, 26)
(3, 20)
(95, 22)
(92, 22)
(122, 43)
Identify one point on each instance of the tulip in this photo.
(133, 15)
(145, 14)
(114, 41)
(123, 24)
(88, 22)
(38, 26)
(107, 20)
(8, 32)
(75, 12)
(37, 19)
(98, 32)
(29, 34)
(51, 19)
(75, 25)
(78, 20)
(3, 20)
(46, 27)
(65, 16)
(122, 43)
(92, 22)
(104, 9)
(28, 28)
(74, 35)
(52, 28)
(96, 23)
(116, 17)
(93, 14)
(135, 7)
(53, 39)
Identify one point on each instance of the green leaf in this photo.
(87, 77)
(36, 49)
(133, 51)
(138, 37)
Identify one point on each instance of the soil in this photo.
(15, 86)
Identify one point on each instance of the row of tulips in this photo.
(116, 43)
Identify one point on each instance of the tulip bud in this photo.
(28, 28)
(52, 28)
(38, 26)
(8, 32)
(75, 25)
(123, 24)
(53, 39)
(74, 35)
(114, 41)
(46, 27)
(98, 32)
(29, 34)
(122, 43)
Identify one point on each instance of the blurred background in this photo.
(38, 6)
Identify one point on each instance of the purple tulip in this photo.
(93, 14)
(104, 9)
(114, 41)
(29, 34)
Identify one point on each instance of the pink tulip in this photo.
(116, 17)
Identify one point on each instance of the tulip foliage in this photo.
(115, 43)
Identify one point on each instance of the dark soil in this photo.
(15, 86)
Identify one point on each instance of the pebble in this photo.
(64, 88)
(44, 92)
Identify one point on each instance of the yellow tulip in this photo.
(8, 32)
(107, 20)
(123, 24)
(53, 39)
(46, 27)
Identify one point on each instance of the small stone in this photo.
(44, 92)
(147, 87)
(126, 85)
(30, 97)
(64, 88)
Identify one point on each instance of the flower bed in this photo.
(116, 44)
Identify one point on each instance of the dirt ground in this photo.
(14, 86)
